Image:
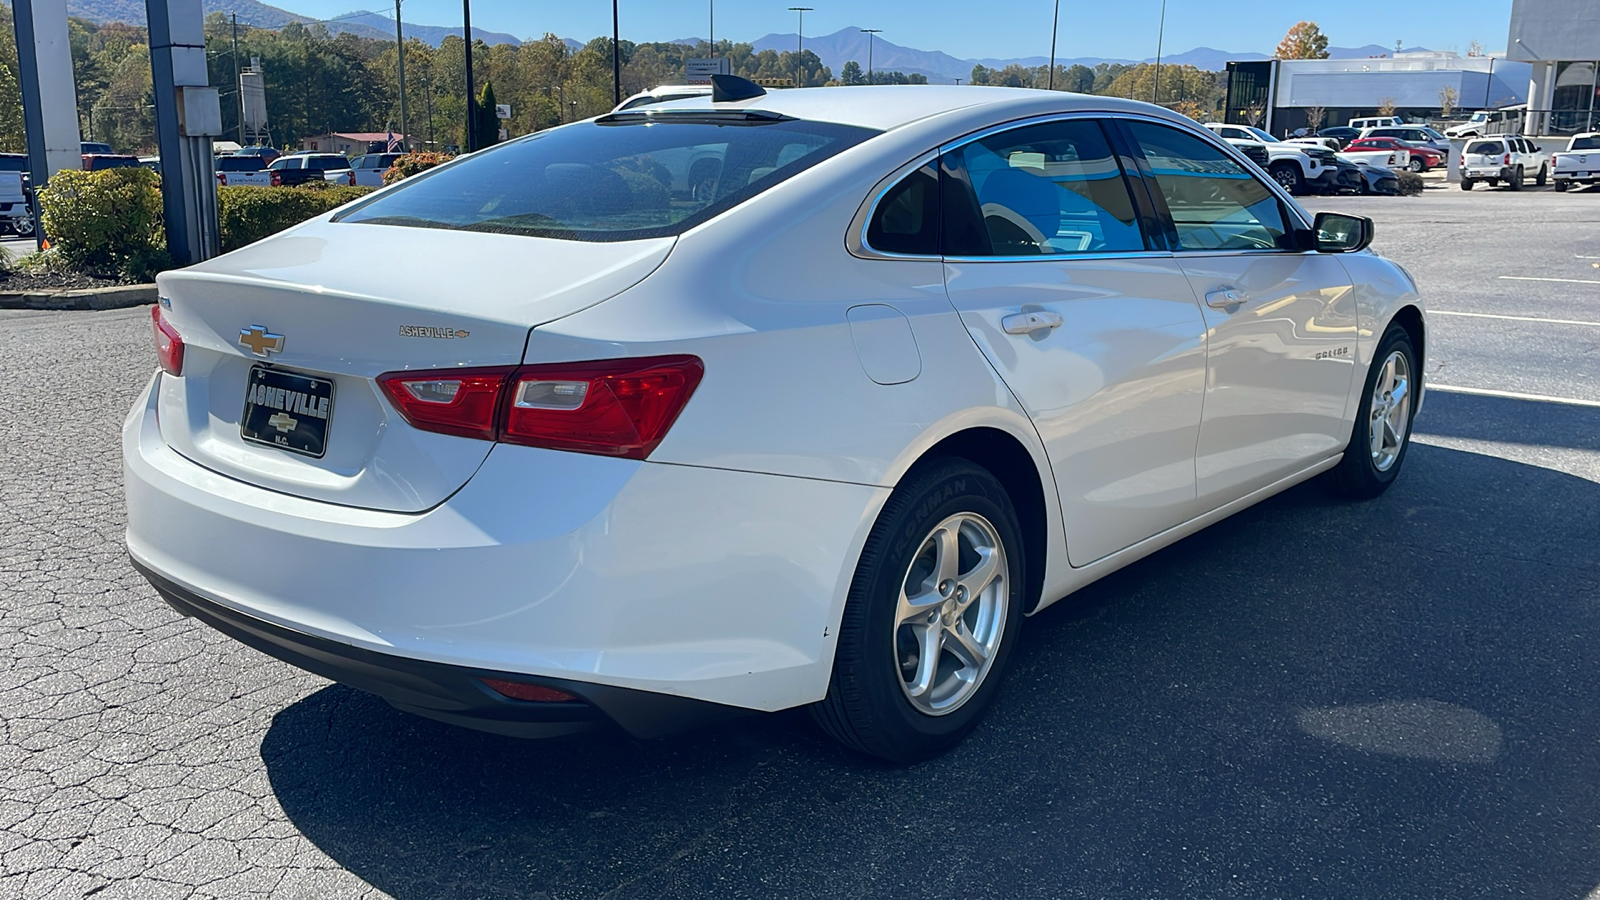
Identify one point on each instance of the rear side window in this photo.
(907, 218)
(1041, 190)
(1215, 203)
(621, 177)
(287, 162)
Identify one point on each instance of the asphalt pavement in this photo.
(1311, 699)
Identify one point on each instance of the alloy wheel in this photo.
(951, 613)
(1390, 415)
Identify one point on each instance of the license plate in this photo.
(287, 410)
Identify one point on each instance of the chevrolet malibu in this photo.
(753, 401)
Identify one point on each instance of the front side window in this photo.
(625, 176)
(1039, 190)
(1215, 203)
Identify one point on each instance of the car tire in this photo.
(1543, 176)
(23, 226)
(1562, 186)
(1517, 179)
(1417, 165)
(1493, 182)
(884, 699)
(1369, 466)
(1288, 174)
(1467, 183)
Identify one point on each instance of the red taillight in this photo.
(222, 179)
(619, 407)
(537, 693)
(462, 402)
(277, 179)
(169, 346)
(352, 177)
(1506, 161)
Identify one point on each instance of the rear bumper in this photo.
(453, 694)
(705, 584)
(1481, 172)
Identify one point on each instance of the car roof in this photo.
(886, 107)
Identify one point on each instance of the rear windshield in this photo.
(327, 162)
(1485, 147)
(239, 164)
(1586, 143)
(622, 177)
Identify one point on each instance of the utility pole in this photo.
(237, 85)
(869, 32)
(188, 117)
(1161, 31)
(1055, 25)
(616, 58)
(400, 48)
(713, 29)
(472, 99)
(800, 41)
(429, 85)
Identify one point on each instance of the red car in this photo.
(1422, 158)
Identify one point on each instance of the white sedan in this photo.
(817, 424)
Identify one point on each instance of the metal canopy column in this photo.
(49, 96)
(188, 116)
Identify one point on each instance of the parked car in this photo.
(267, 154)
(1485, 122)
(153, 163)
(371, 167)
(1300, 168)
(1415, 135)
(1376, 179)
(1419, 159)
(16, 212)
(1340, 133)
(1579, 163)
(300, 168)
(663, 94)
(1331, 144)
(1507, 158)
(1363, 124)
(99, 162)
(977, 364)
(1373, 156)
(242, 170)
(95, 148)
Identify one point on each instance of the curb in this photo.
(120, 297)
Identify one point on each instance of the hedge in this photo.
(249, 214)
(106, 222)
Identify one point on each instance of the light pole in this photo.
(800, 40)
(400, 48)
(713, 4)
(1161, 30)
(869, 32)
(472, 101)
(616, 58)
(1055, 24)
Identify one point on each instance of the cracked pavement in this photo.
(1311, 699)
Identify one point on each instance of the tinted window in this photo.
(1216, 204)
(239, 164)
(621, 177)
(1489, 147)
(1585, 143)
(327, 162)
(907, 218)
(1042, 190)
(287, 162)
(9, 163)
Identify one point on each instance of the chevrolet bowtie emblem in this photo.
(260, 341)
(283, 422)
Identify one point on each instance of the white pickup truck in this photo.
(1579, 163)
(1301, 168)
(237, 170)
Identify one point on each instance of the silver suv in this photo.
(1507, 158)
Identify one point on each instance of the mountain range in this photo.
(834, 49)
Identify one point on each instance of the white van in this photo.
(1377, 122)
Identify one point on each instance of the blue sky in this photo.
(978, 28)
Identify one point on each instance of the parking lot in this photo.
(1391, 699)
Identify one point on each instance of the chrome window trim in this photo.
(856, 238)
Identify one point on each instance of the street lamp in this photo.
(472, 101)
(1161, 30)
(800, 39)
(869, 32)
(400, 50)
(616, 58)
(1055, 24)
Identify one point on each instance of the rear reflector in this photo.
(616, 407)
(169, 346)
(536, 693)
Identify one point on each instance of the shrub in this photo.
(248, 214)
(106, 222)
(412, 163)
(1410, 183)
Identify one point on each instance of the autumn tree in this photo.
(1448, 97)
(1304, 41)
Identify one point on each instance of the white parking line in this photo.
(1441, 312)
(1512, 395)
(1559, 280)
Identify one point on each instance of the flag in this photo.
(394, 142)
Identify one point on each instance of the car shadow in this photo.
(1509, 419)
(1394, 698)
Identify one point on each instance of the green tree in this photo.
(486, 121)
(851, 73)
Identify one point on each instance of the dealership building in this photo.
(1560, 40)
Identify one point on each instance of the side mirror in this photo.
(1339, 233)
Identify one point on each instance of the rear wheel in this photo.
(1416, 165)
(1466, 184)
(1516, 180)
(22, 225)
(931, 617)
(1543, 176)
(1562, 185)
(1382, 431)
(1494, 182)
(1288, 175)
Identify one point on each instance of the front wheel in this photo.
(23, 226)
(1416, 165)
(1543, 176)
(1382, 431)
(1467, 183)
(1288, 175)
(931, 616)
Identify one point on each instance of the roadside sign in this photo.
(699, 71)
(502, 110)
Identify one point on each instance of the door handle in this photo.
(1223, 298)
(1029, 322)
